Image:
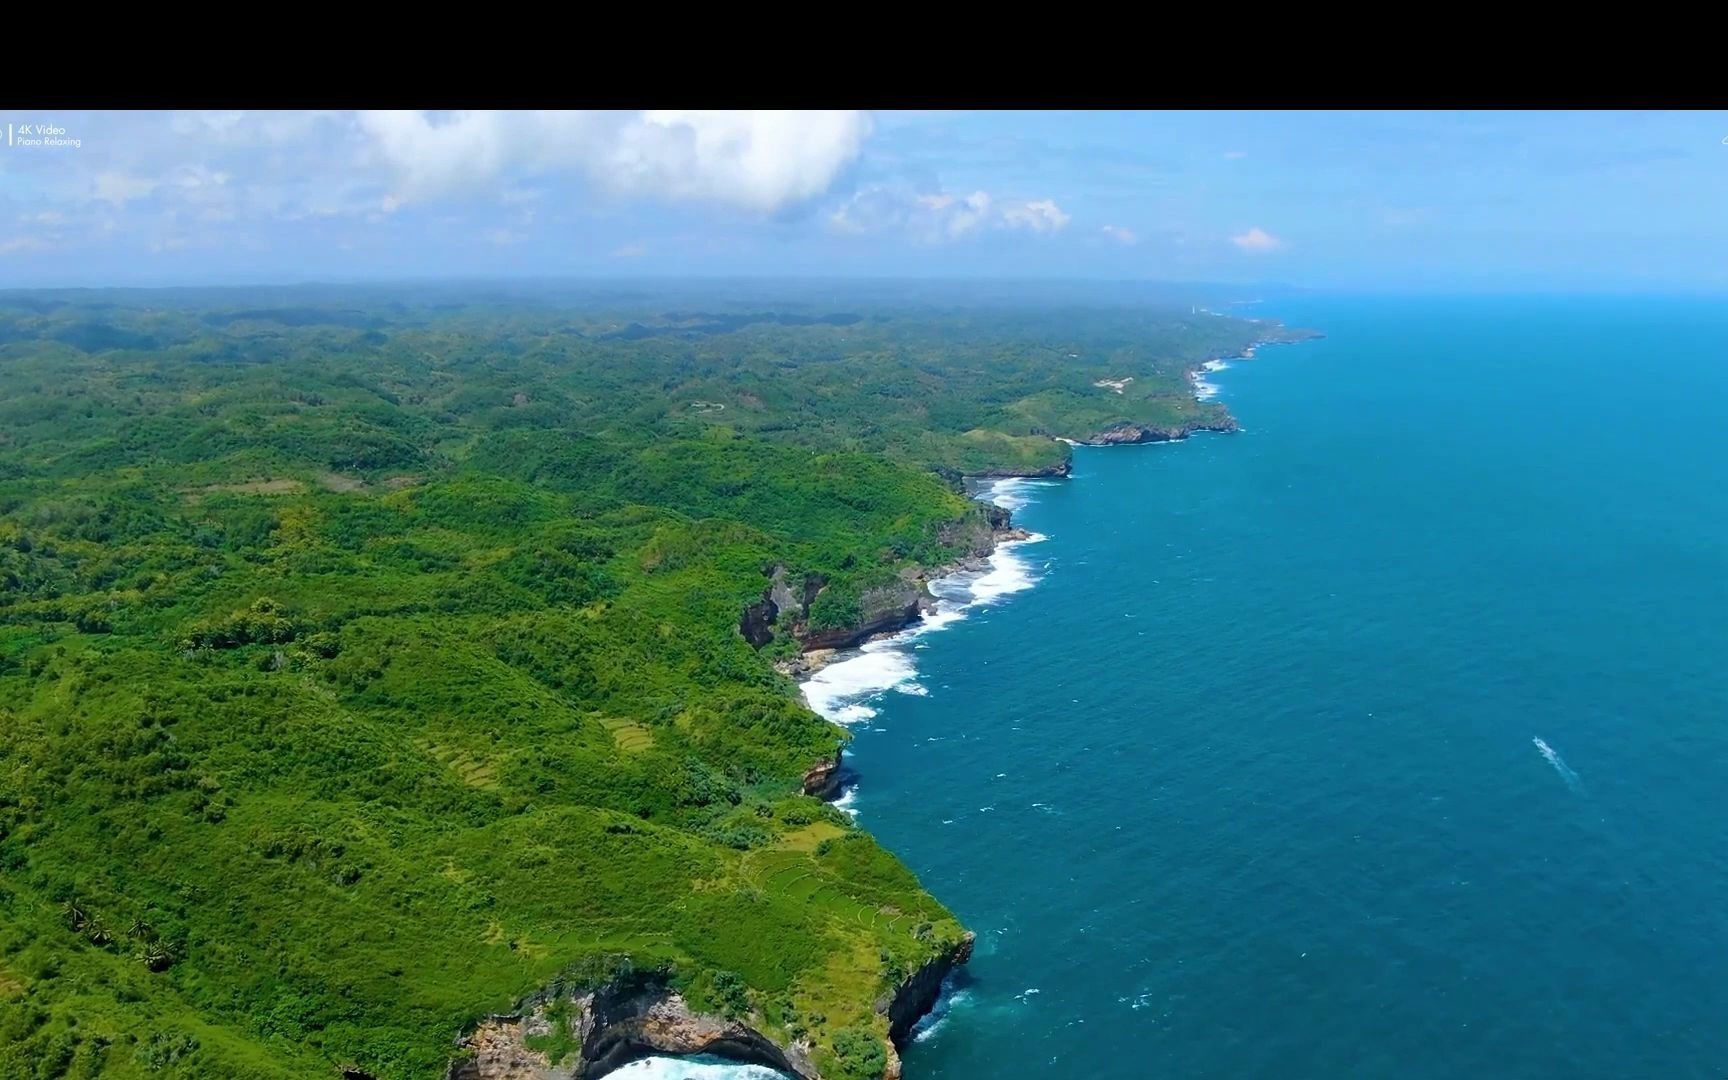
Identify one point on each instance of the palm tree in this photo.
(74, 913)
(157, 957)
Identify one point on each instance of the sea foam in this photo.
(1559, 764)
(846, 690)
(1204, 390)
(951, 997)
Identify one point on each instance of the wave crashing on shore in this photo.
(844, 690)
(1204, 390)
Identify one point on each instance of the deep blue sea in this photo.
(1385, 738)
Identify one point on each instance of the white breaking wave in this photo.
(1559, 764)
(949, 999)
(839, 690)
(845, 690)
(1010, 493)
(1203, 390)
(698, 1068)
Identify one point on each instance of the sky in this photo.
(1326, 200)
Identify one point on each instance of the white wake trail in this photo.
(1559, 764)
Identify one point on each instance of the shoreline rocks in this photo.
(1061, 470)
(822, 779)
(638, 1014)
(631, 1017)
(1126, 434)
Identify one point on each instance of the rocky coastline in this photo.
(889, 609)
(640, 1014)
(1058, 471)
(886, 609)
(1127, 434)
(636, 1015)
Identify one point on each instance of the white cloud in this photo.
(502, 237)
(1235, 155)
(761, 161)
(1041, 215)
(630, 251)
(934, 217)
(964, 215)
(119, 187)
(1124, 236)
(927, 216)
(19, 244)
(1256, 241)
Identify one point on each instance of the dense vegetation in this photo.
(370, 660)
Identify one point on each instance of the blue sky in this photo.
(1628, 200)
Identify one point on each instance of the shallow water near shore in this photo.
(1384, 737)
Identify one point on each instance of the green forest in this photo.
(370, 658)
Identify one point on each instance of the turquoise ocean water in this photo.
(1385, 738)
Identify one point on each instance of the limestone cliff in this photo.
(823, 778)
(882, 609)
(1128, 433)
(917, 995)
(1057, 471)
(629, 1018)
(638, 1014)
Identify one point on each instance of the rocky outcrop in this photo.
(633, 1016)
(1060, 470)
(919, 992)
(823, 778)
(806, 664)
(881, 610)
(757, 623)
(497, 1049)
(638, 1014)
(621, 1025)
(917, 996)
(885, 609)
(1128, 432)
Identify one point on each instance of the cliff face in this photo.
(823, 778)
(757, 623)
(1048, 472)
(883, 609)
(917, 995)
(629, 1018)
(622, 1024)
(638, 1015)
(1127, 433)
(919, 992)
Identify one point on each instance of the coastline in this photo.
(876, 664)
(840, 683)
(875, 667)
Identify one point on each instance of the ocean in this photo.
(1385, 737)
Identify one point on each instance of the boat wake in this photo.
(1559, 764)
